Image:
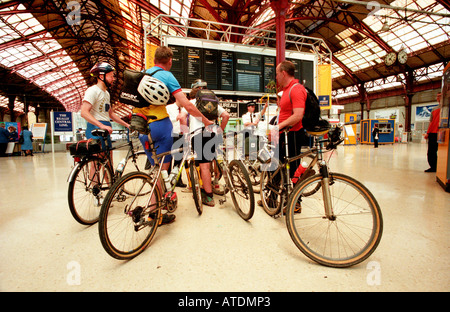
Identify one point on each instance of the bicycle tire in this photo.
(137, 164)
(271, 191)
(125, 226)
(85, 198)
(241, 190)
(351, 237)
(196, 188)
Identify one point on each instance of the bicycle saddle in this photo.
(320, 129)
(100, 132)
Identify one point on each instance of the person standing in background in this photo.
(375, 135)
(27, 145)
(431, 136)
(4, 139)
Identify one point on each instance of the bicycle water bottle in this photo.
(300, 170)
(173, 175)
(165, 177)
(121, 165)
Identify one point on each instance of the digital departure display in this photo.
(194, 65)
(178, 64)
(226, 71)
(232, 70)
(248, 72)
(210, 66)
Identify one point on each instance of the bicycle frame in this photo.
(288, 186)
(158, 160)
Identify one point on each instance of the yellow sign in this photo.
(150, 55)
(324, 85)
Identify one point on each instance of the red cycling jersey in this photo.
(298, 97)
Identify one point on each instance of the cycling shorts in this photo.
(161, 133)
(91, 127)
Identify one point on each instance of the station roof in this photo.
(47, 47)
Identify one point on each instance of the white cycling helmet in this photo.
(153, 91)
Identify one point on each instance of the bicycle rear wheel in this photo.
(196, 188)
(136, 164)
(87, 188)
(241, 189)
(348, 238)
(272, 197)
(127, 225)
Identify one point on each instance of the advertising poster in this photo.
(324, 85)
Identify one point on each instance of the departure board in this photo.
(249, 72)
(210, 72)
(194, 65)
(269, 71)
(226, 70)
(308, 74)
(232, 70)
(178, 64)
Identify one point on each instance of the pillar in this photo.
(280, 8)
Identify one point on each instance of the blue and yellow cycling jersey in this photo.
(172, 84)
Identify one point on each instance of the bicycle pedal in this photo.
(222, 201)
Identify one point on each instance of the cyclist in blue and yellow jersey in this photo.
(161, 127)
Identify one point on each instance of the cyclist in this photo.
(206, 143)
(96, 106)
(292, 108)
(161, 127)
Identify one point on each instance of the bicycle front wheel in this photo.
(347, 238)
(196, 187)
(241, 190)
(127, 224)
(272, 193)
(87, 189)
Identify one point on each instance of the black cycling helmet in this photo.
(101, 68)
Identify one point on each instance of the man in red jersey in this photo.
(292, 108)
(432, 137)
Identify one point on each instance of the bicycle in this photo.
(332, 218)
(275, 185)
(92, 176)
(132, 209)
(237, 180)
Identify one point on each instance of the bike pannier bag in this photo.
(85, 147)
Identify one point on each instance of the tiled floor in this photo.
(42, 248)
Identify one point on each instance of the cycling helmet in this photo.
(153, 91)
(101, 68)
(199, 83)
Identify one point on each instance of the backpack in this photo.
(129, 93)
(207, 103)
(311, 116)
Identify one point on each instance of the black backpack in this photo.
(207, 103)
(129, 93)
(311, 117)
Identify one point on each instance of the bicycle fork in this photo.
(325, 183)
